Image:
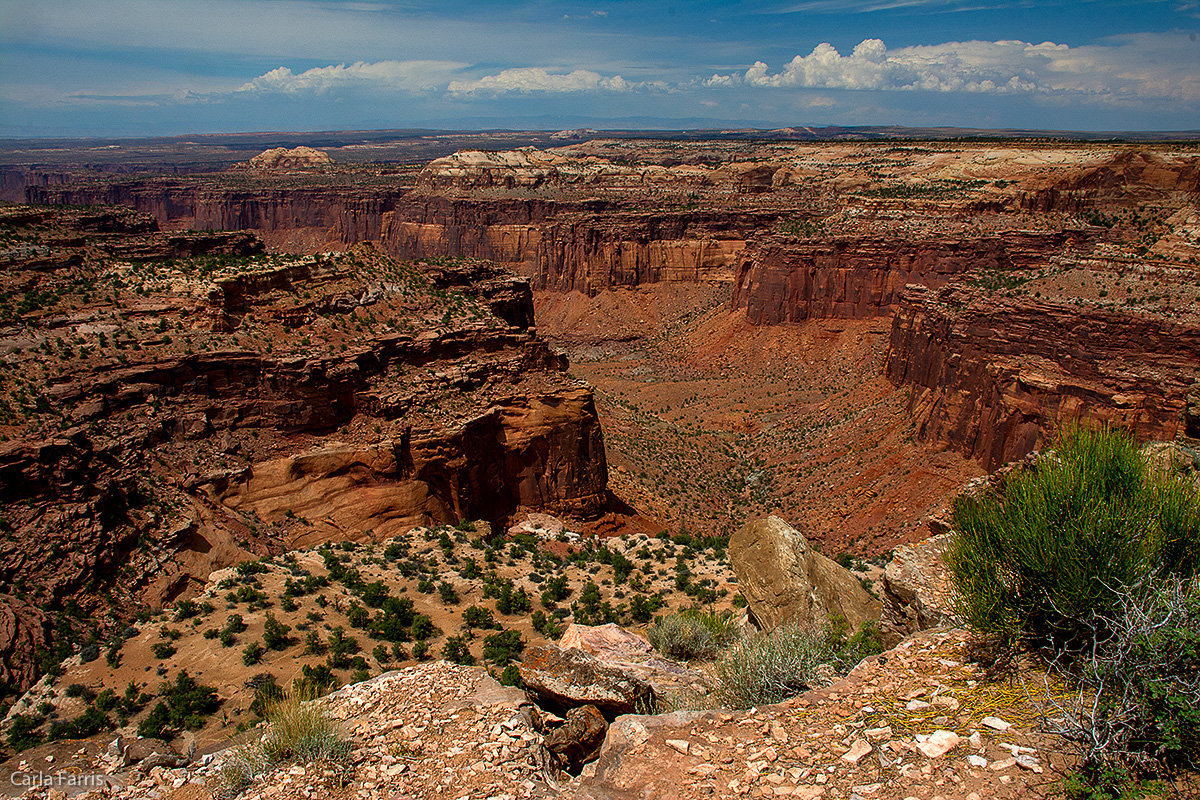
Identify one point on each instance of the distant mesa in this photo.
(295, 158)
(574, 134)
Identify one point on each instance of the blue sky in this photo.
(160, 67)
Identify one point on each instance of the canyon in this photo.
(642, 337)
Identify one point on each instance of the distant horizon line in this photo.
(732, 129)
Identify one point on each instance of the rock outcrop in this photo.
(786, 581)
(633, 654)
(993, 376)
(294, 158)
(561, 679)
(916, 590)
(24, 630)
(542, 451)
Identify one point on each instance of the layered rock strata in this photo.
(992, 376)
(855, 277)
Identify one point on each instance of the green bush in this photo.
(455, 651)
(252, 653)
(479, 617)
(275, 633)
(1041, 559)
(503, 647)
(1093, 557)
(23, 732)
(184, 704)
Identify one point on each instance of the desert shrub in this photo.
(162, 649)
(252, 653)
(302, 731)
(266, 692)
(1041, 559)
(374, 593)
(184, 704)
(642, 608)
(511, 676)
(545, 625)
(317, 679)
(690, 634)
(275, 633)
(423, 628)
(556, 591)
(314, 645)
(448, 593)
(1093, 557)
(503, 647)
(341, 647)
(1137, 705)
(79, 690)
(420, 650)
(479, 617)
(394, 620)
(90, 722)
(23, 732)
(455, 650)
(89, 653)
(771, 667)
(297, 731)
(849, 651)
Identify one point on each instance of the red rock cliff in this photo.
(992, 377)
(856, 277)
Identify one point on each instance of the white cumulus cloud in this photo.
(536, 79)
(397, 75)
(1148, 65)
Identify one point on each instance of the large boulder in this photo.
(608, 642)
(785, 579)
(565, 679)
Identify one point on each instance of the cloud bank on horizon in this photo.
(123, 67)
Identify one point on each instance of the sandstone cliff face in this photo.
(1123, 179)
(583, 247)
(332, 216)
(586, 245)
(850, 278)
(543, 451)
(992, 377)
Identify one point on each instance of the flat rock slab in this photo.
(566, 679)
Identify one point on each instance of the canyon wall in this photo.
(993, 376)
(780, 281)
(586, 245)
(542, 451)
(580, 247)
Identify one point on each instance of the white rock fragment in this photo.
(939, 743)
(996, 724)
(678, 744)
(857, 752)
